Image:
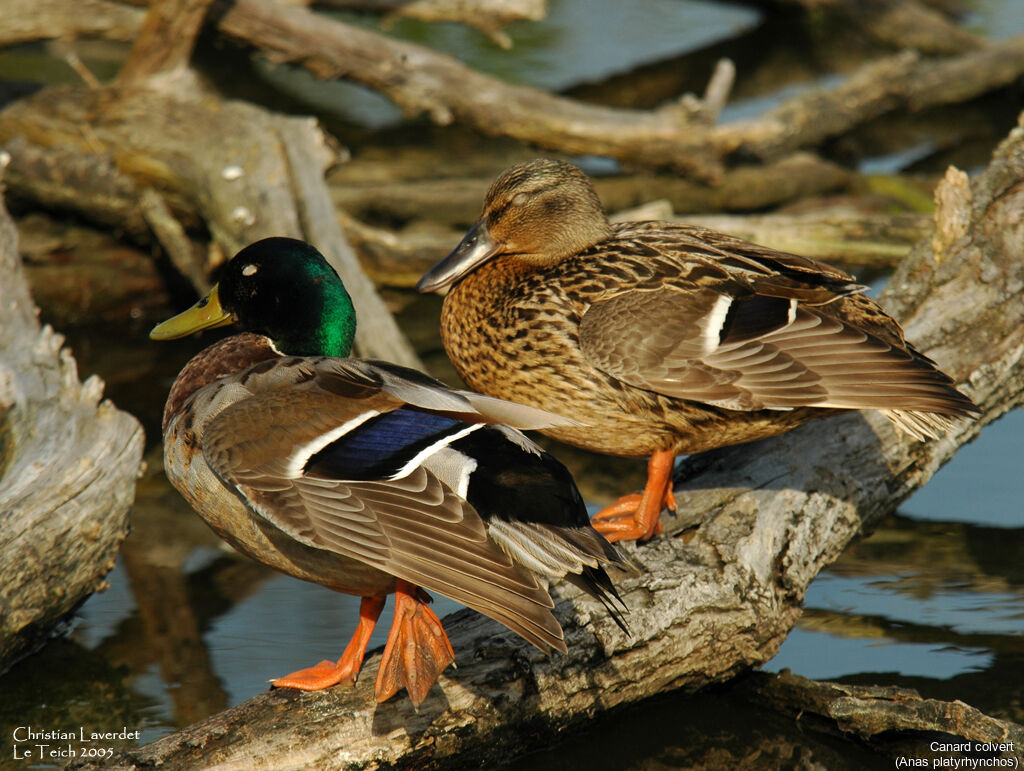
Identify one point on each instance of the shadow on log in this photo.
(68, 464)
(759, 522)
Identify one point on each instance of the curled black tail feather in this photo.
(596, 583)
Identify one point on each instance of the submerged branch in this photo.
(880, 714)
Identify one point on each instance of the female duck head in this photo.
(539, 211)
(281, 288)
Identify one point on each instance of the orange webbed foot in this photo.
(418, 649)
(637, 517)
(316, 678)
(327, 673)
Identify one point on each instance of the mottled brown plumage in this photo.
(665, 338)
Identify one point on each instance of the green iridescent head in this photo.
(281, 288)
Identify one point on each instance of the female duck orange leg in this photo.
(418, 649)
(326, 673)
(637, 517)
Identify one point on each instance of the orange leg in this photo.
(325, 674)
(418, 649)
(637, 517)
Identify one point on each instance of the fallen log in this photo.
(854, 241)
(891, 719)
(455, 200)
(760, 521)
(173, 161)
(68, 464)
(487, 16)
(678, 134)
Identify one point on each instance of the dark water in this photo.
(934, 599)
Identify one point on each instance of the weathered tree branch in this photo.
(28, 20)
(455, 200)
(905, 81)
(165, 42)
(761, 520)
(837, 235)
(679, 134)
(896, 23)
(420, 80)
(241, 171)
(68, 463)
(675, 135)
(487, 16)
(870, 711)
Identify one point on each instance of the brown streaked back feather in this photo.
(760, 339)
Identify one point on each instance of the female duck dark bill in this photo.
(665, 339)
(367, 477)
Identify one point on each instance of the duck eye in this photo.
(520, 199)
(250, 270)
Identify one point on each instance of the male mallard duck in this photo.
(664, 339)
(367, 477)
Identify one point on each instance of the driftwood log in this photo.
(174, 159)
(893, 719)
(678, 134)
(156, 152)
(487, 16)
(681, 134)
(722, 588)
(68, 464)
(841, 236)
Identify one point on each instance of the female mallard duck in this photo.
(664, 339)
(367, 477)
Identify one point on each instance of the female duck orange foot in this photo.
(418, 649)
(637, 517)
(325, 674)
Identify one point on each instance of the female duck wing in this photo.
(753, 353)
(753, 330)
(289, 454)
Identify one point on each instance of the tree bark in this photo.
(68, 464)
(28, 20)
(758, 522)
